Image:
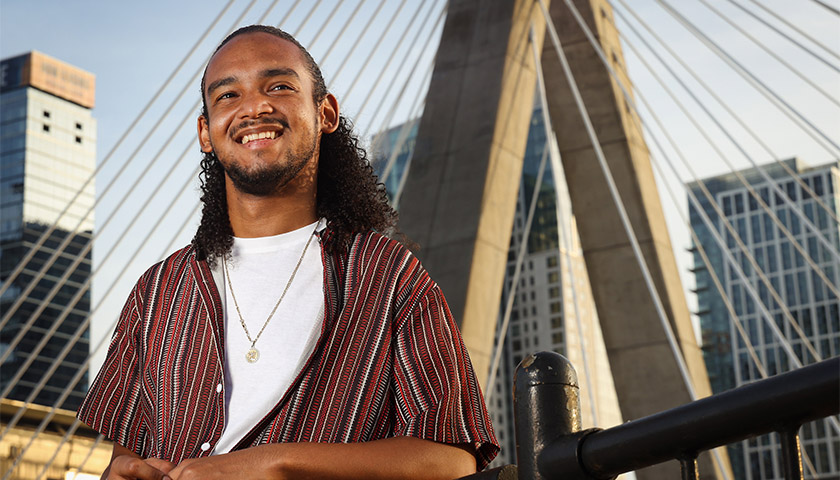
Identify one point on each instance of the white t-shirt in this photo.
(259, 270)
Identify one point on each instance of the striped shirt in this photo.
(389, 362)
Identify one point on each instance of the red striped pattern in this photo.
(390, 361)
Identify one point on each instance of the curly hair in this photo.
(349, 195)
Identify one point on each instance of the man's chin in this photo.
(261, 187)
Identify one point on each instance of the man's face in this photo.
(263, 123)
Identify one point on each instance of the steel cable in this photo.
(770, 52)
(108, 156)
(769, 93)
(772, 184)
(727, 224)
(33, 283)
(698, 78)
(788, 37)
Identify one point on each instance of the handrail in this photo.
(550, 443)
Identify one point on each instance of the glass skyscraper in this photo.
(47, 156)
(801, 293)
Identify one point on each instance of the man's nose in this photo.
(255, 105)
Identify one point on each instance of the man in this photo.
(289, 340)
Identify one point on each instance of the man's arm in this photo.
(391, 458)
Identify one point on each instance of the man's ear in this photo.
(329, 114)
(204, 135)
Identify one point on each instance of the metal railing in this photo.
(551, 444)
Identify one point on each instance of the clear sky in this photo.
(132, 47)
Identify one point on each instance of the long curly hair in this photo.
(349, 196)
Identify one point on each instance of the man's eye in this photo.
(281, 87)
(226, 95)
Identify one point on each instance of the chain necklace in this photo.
(252, 355)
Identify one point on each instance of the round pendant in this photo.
(252, 355)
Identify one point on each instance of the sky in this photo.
(133, 47)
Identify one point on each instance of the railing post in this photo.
(546, 407)
(791, 453)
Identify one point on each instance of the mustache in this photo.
(260, 121)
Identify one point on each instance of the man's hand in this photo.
(126, 465)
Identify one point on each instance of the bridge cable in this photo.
(89, 244)
(93, 274)
(75, 380)
(625, 220)
(404, 131)
(772, 184)
(80, 329)
(401, 67)
(517, 271)
(390, 114)
(185, 152)
(827, 7)
(755, 81)
(34, 249)
(362, 35)
(49, 263)
(748, 285)
(762, 203)
(379, 42)
(792, 27)
(90, 278)
(394, 49)
(724, 220)
(618, 202)
(733, 315)
(698, 78)
(562, 235)
(770, 52)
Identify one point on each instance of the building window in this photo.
(554, 292)
(78, 139)
(557, 338)
(46, 114)
(46, 128)
(78, 126)
(553, 277)
(551, 261)
(555, 307)
(556, 322)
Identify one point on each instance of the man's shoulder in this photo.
(371, 246)
(179, 260)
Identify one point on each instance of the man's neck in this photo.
(263, 216)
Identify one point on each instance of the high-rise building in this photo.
(553, 307)
(47, 157)
(800, 282)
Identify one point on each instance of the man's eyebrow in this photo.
(279, 72)
(219, 83)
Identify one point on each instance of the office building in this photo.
(804, 292)
(47, 157)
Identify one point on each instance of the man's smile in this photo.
(260, 134)
(271, 135)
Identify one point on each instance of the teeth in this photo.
(259, 136)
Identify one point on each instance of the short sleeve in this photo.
(437, 392)
(112, 405)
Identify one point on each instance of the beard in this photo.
(266, 179)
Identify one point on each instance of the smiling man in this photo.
(291, 339)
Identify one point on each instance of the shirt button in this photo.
(219, 388)
(205, 446)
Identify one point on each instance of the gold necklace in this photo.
(252, 355)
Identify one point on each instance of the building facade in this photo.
(767, 277)
(553, 307)
(47, 159)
